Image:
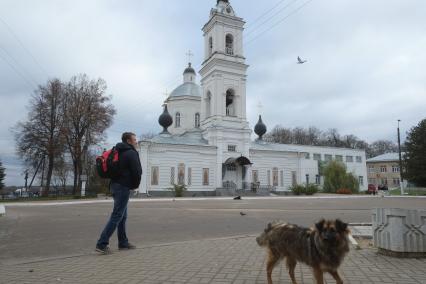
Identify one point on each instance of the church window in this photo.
(318, 179)
(339, 158)
(275, 176)
(328, 158)
(307, 156)
(255, 176)
(230, 103)
(177, 120)
(172, 175)
(317, 157)
(197, 120)
(232, 148)
(189, 176)
(307, 179)
(361, 180)
(282, 178)
(358, 159)
(181, 174)
(154, 175)
(208, 104)
(349, 159)
(229, 44)
(210, 46)
(293, 178)
(205, 176)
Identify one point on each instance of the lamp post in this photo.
(400, 161)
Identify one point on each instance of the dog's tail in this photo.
(262, 240)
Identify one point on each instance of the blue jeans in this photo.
(121, 195)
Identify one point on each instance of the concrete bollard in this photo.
(2, 210)
(400, 232)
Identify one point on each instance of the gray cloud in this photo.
(365, 65)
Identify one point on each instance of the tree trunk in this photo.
(49, 175)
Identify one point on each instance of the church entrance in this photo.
(234, 173)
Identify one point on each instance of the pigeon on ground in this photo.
(237, 198)
(243, 214)
(300, 61)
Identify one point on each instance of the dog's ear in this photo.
(320, 225)
(341, 226)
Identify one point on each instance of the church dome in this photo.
(260, 128)
(187, 89)
(189, 69)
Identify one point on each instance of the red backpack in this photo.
(107, 164)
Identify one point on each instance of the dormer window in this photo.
(229, 44)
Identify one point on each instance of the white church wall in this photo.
(264, 161)
(187, 107)
(167, 156)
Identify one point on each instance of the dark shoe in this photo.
(129, 246)
(105, 250)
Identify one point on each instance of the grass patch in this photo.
(408, 192)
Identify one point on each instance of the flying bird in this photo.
(300, 61)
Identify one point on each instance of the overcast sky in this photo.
(365, 70)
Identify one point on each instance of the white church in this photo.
(207, 144)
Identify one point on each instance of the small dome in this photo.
(189, 69)
(187, 89)
(260, 128)
(165, 120)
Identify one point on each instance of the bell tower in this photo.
(223, 72)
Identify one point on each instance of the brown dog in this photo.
(323, 247)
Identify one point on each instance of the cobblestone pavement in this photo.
(228, 260)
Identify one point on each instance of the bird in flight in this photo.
(300, 61)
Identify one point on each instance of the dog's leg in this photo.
(291, 264)
(336, 276)
(272, 261)
(318, 275)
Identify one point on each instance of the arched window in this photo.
(208, 104)
(197, 120)
(230, 103)
(177, 120)
(229, 44)
(210, 46)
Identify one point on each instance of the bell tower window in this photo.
(210, 46)
(229, 44)
(177, 120)
(230, 103)
(208, 104)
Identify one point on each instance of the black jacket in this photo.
(130, 166)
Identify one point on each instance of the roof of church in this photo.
(262, 145)
(193, 137)
(187, 89)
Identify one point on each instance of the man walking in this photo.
(129, 179)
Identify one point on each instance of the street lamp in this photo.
(400, 161)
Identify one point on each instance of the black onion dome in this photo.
(260, 128)
(189, 69)
(165, 120)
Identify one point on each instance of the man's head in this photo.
(129, 138)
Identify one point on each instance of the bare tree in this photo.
(380, 147)
(88, 113)
(40, 137)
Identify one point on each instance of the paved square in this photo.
(228, 260)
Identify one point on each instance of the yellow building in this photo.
(384, 170)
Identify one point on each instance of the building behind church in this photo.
(206, 141)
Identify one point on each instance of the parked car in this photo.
(372, 189)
